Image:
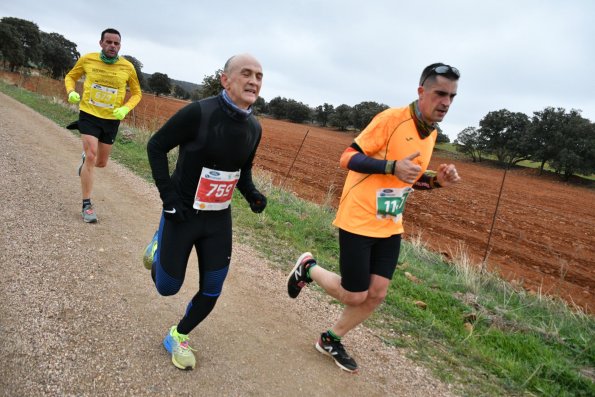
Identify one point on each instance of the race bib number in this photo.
(390, 203)
(103, 97)
(215, 189)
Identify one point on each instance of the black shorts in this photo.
(104, 130)
(362, 256)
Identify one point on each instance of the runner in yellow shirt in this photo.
(385, 162)
(102, 107)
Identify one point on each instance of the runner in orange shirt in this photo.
(386, 161)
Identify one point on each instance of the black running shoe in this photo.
(326, 345)
(298, 277)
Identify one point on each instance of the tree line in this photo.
(23, 45)
(562, 139)
(342, 117)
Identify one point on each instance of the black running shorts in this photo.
(104, 130)
(362, 256)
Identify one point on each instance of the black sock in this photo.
(86, 202)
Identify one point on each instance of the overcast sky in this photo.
(520, 55)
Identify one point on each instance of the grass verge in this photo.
(472, 329)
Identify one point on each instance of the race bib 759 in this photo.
(215, 189)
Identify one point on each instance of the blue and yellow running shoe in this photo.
(176, 344)
(149, 255)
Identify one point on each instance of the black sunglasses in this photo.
(441, 69)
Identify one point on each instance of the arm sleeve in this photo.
(179, 129)
(354, 159)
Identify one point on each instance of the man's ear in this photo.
(224, 80)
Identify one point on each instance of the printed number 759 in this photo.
(219, 190)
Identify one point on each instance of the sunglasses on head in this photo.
(441, 69)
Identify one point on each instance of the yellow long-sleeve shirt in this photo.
(105, 85)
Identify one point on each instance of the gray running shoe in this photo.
(82, 162)
(89, 214)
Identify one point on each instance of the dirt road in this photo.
(79, 315)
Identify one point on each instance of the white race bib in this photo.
(103, 97)
(215, 189)
(390, 202)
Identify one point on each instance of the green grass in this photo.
(514, 343)
(518, 342)
(52, 109)
(132, 156)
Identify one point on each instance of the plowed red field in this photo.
(544, 233)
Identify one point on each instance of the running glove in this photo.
(257, 201)
(121, 112)
(74, 97)
(174, 211)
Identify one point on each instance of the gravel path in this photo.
(79, 315)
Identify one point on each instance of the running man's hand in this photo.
(257, 201)
(447, 175)
(173, 210)
(174, 214)
(407, 169)
(121, 112)
(74, 97)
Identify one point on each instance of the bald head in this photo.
(235, 61)
(242, 79)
